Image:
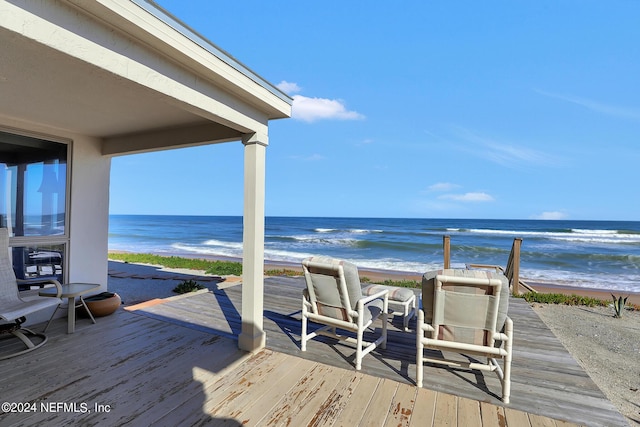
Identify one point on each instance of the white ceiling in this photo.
(46, 86)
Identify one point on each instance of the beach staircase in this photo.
(512, 270)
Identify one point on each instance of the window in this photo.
(33, 200)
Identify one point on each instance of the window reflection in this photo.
(33, 176)
(36, 263)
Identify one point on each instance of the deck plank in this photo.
(351, 414)
(424, 408)
(402, 406)
(297, 397)
(380, 404)
(446, 410)
(469, 413)
(492, 415)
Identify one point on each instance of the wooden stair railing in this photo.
(512, 271)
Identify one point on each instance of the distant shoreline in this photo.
(378, 275)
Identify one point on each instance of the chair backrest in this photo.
(333, 287)
(466, 306)
(8, 282)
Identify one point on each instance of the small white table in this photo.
(71, 291)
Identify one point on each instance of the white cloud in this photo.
(312, 109)
(550, 215)
(611, 110)
(469, 197)
(288, 87)
(443, 186)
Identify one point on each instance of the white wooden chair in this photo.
(334, 298)
(13, 308)
(466, 312)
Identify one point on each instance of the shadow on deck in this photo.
(546, 380)
(130, 368)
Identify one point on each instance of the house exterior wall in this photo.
(89, 212)
(87, 208)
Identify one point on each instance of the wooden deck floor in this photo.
(150, 370)
(546, 380)
(134, 370)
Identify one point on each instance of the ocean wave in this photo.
(323, 241)
(200, 250)
(620, 282)
(590, 231)
(349, 230)
(220, 243)
(573, 235)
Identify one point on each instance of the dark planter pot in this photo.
(103, 304)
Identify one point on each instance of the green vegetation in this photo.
(397, 283)
(283, 272)
(218, 268)
(188, 286)
(562, 299)
(618, 305)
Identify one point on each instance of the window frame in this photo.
(58, 239)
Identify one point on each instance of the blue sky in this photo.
(463, 109)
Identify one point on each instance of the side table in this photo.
(71, 291)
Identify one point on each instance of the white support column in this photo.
(252, 336)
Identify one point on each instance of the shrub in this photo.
(188, 286)
(283, 272)
(618, 305)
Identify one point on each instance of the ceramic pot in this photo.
(103, 304)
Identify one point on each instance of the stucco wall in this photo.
(89, 212)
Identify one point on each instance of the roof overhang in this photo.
(128, 73)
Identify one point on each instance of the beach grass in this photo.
(545, 298)
(555, 298)
(397, 283)
(214, 267)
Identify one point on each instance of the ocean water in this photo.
(590, 254)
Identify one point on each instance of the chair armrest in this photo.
(383, 293)
(507, 335)
(44, 281)
(58, 287)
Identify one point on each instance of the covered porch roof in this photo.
(133, 78)
(128, 73)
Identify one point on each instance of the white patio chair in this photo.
(466, 315)
(334, 298)
(14, 309)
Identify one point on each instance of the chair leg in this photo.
(30, 345)
(385, 319)
(405, 318)
(359, 349)
(506, 381)
(419, 349)
(303, 340)
(51, 318)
